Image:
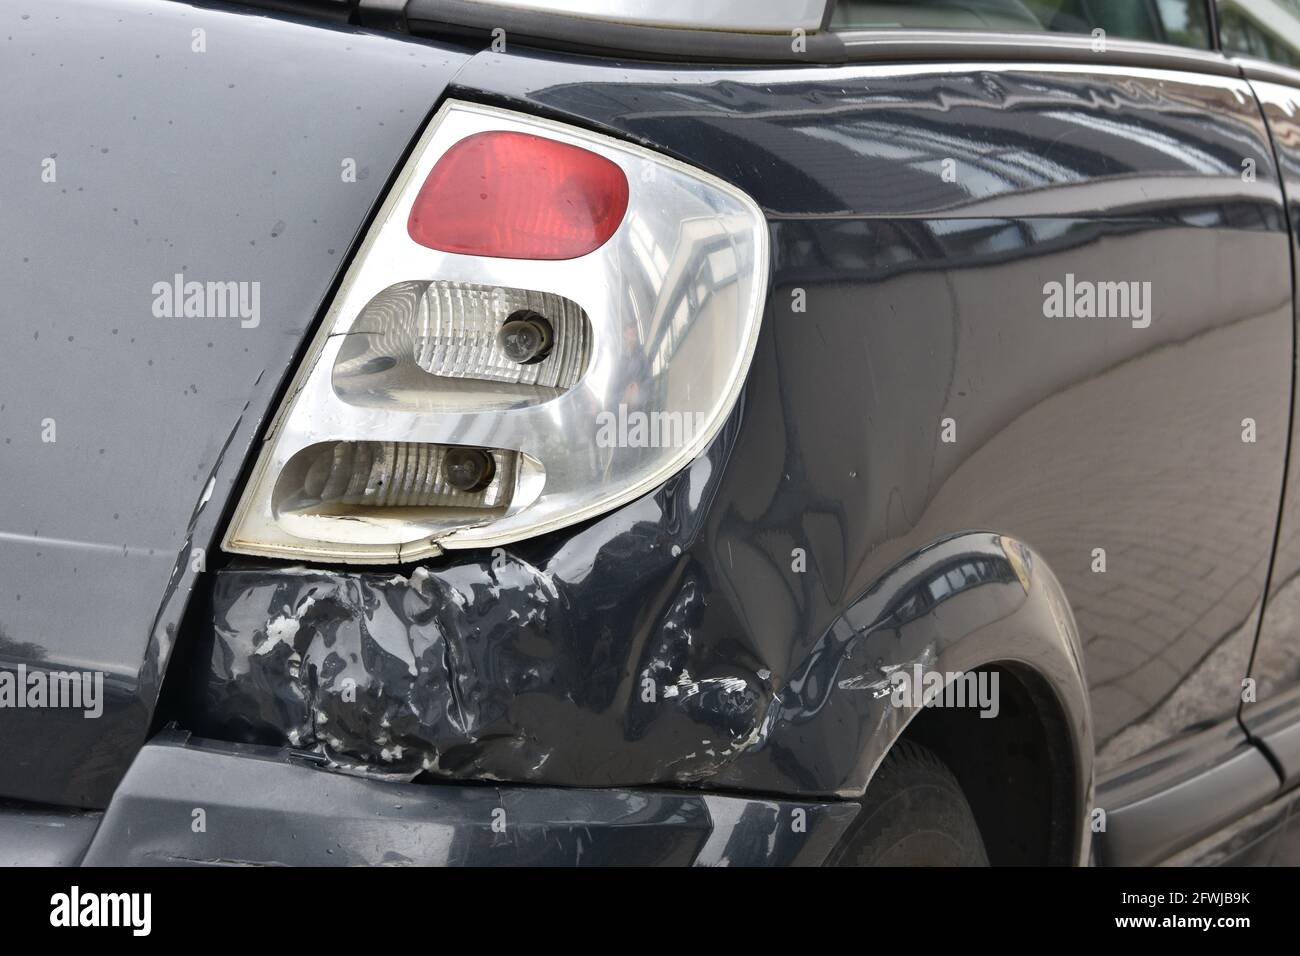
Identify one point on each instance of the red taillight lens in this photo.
(517, 196)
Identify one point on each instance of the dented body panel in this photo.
(890, 432)
(512, 670)
(930, 466)
(125, 425)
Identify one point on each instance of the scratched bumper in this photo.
(264, 806)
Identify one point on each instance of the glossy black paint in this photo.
(167, 161)
(925, 301)
(831, 534)
(866, 142)
(924, 295)
(457, 673)
(264, 807)
(1181, 791)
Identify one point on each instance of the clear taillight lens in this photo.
(531, 347)
(541, 324)
(338, 477)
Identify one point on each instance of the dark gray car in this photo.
(561, 432)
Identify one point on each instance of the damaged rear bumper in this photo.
(186, 801)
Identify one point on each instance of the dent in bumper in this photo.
(263, 807)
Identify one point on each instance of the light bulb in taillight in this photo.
(517, 196)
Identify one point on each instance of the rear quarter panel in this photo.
(918, 214)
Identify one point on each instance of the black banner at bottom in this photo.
(265, 905)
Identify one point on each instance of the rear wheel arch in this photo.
(1017, 771)
(1028, 772)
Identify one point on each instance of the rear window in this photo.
(1264, 29)
(1181, 22)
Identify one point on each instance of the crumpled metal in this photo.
(533, 665)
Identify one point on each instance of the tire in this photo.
(914, 814)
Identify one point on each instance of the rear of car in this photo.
(551, 432)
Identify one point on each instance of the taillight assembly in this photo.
(541, 324)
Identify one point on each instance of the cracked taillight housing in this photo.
(542, 323)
